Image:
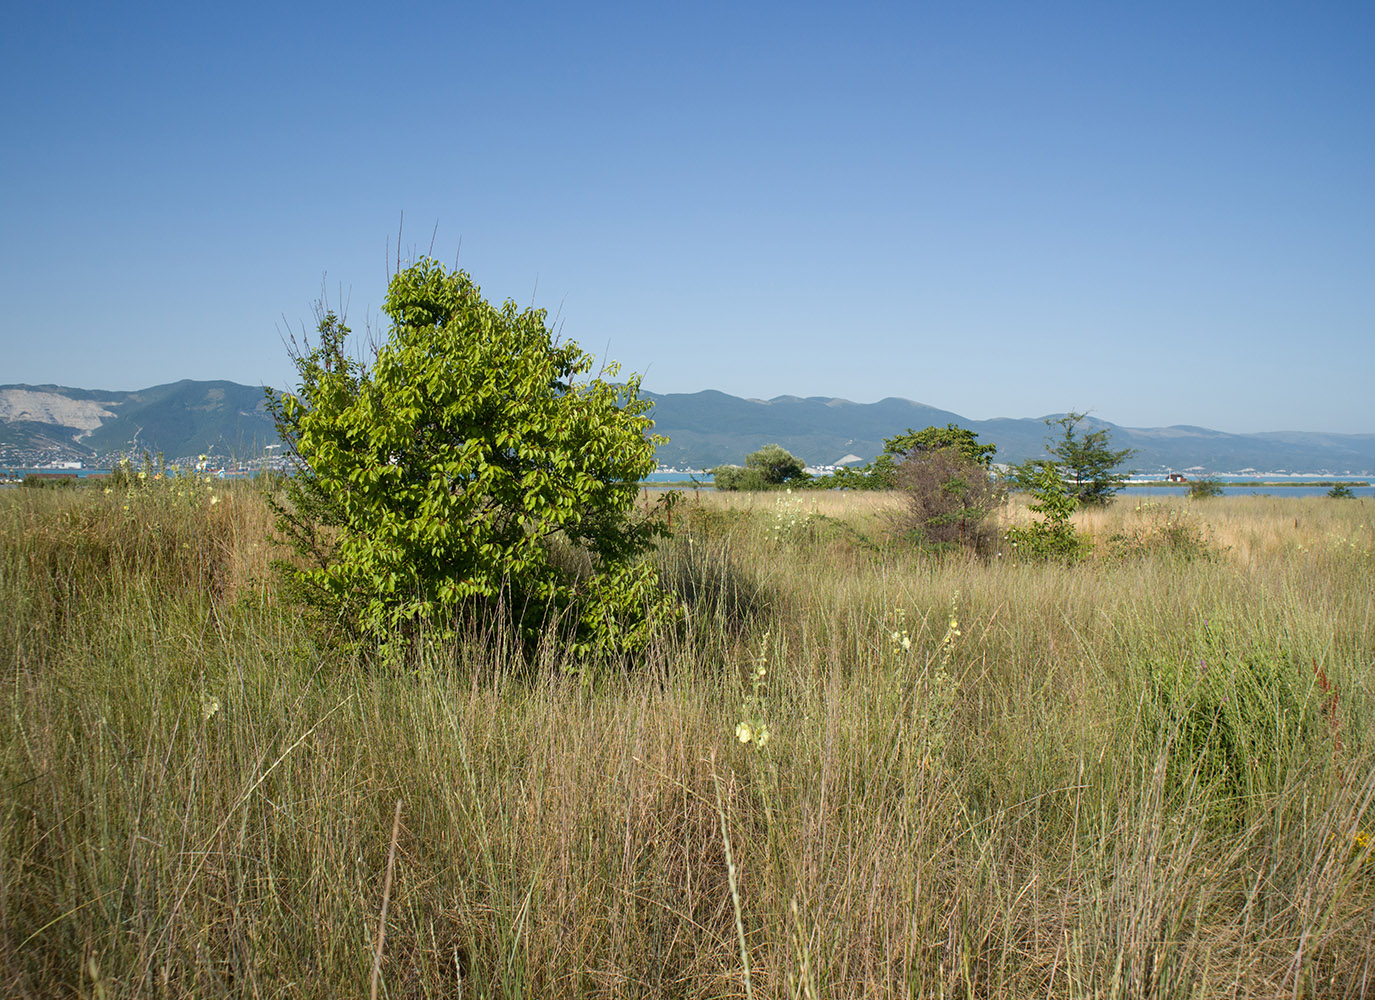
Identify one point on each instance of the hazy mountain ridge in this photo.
(705, 428)
(710, 427)
(178, 419)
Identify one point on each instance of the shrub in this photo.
(735, 477)
(1052, 537)
(1341, 492)
(466, 467)
(1202, 489)
(1162, 531)
(771, 467)
(947, 495)
(48, 481)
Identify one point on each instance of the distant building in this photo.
(1177, 477)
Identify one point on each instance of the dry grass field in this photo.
(1147, 774)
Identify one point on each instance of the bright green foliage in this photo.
(1202, 489)
(1086, 461)
(768, 468)
(468, 467)
(1052, 537)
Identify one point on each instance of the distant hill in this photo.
(705, 429)
(181, 419)
(710, 428)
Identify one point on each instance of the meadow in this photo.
(859, 769)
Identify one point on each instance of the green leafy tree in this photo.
(1086, 461)
(471, 465)
(1053, 536)
(768, 468)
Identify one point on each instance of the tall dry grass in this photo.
(1034, 801)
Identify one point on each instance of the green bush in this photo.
(467, 468)
(1202, 489)
(1341, 492)
(771, 467)
(1052, 537)
(41, 481)
(735, 477)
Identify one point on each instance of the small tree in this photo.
(1052, 537)
(1086, 461)
(1202, 489)
(768, 468)
(1340, 491)
(948, 495)
(467, 466)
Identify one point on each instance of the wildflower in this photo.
(743, 733)
(214, 499)
(763, 738)
(906, 642)
(210, 708)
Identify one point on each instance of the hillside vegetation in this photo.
(856, 769)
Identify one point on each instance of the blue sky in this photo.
(1164, 213)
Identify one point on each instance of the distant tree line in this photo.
(950, 486)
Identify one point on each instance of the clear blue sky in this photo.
(1164, 213)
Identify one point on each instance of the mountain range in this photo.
(40, 424)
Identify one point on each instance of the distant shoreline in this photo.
(1247, 483)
